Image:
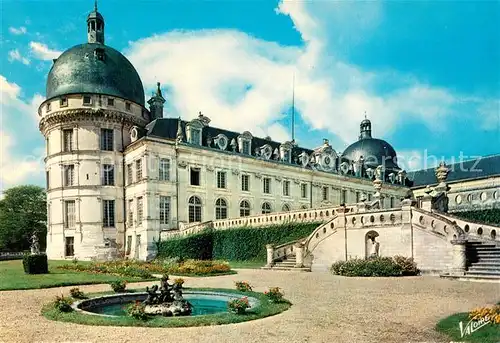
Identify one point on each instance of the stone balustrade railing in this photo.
(437, 224)
(473, 230)
(378, 217)
(297, 216)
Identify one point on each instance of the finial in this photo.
(365, 114)
(95, 5)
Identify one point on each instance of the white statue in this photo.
(374, 248)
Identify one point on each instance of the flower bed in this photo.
(145, 270)
(380, 266)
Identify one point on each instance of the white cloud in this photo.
(244, 83)
(15, 55)
(18, 31)
(18, 165)
(43, 52)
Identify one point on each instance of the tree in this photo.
(23, 211)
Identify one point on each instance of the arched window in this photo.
(220, 209)
(194, 209)
(285, 208)
(244, 208)
(266, 208)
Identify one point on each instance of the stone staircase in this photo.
(287, 264)
(483, 260)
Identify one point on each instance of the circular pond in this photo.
(203, 303)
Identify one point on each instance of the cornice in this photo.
(89, 114)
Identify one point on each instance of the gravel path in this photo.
(326, 308)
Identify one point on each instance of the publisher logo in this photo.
(472, 326)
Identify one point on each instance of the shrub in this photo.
(35, 264)
(243, 286)
(407, 264)
(490, 216)
(380, 266)
(63, 304)
(275, 294)
(179, 282)
(138, 311)
(118, 286)
(76, 293)
(238, 306)
(236, 244)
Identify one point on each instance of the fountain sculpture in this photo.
(168, 302)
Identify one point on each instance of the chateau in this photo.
(120, 176)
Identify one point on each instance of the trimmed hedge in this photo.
(491, 216)
(235, 244)
(35, 264)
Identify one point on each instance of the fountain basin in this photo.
(114, 305)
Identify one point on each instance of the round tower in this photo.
(94, 97)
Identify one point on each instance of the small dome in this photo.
(94, 68)
(374, 151)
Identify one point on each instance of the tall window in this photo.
(164, 169)
(220, 209)
(244, 208)
(68, 140)
(194, 209)
(130, 218)
(221, 179)
(303, 190)
(47, 178)
(369, 197)
(266, 208)
(245, 182)
(69, 214)
(69, 175)
(324, 193)
(130, 176)
(107, 139)
(164, 210)
(140, 210)
(87, 100)
(246, 147)
(358, 196)
(392, 202)
(266, 183)
(108, 213)
(343, 196)
(286, 188)
(285, 208)
(69, 248)
(108, 175)
(111, 102)
(195, 136)
(138, 170)
(194, 176)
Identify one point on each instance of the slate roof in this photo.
(167, 128)
(472, 169)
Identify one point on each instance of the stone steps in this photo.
(289, 269)
(483, 261)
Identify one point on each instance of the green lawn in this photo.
(250, 264)
(264, 309)
(489, 333)
(12, 276)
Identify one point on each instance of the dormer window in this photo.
(193, 131)
(285, 152)
(195, 136)
(87, 100)
(63, 102)
(245, 143)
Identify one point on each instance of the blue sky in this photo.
(426, 72)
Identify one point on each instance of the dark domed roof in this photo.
(82, 70)
(373, 151)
